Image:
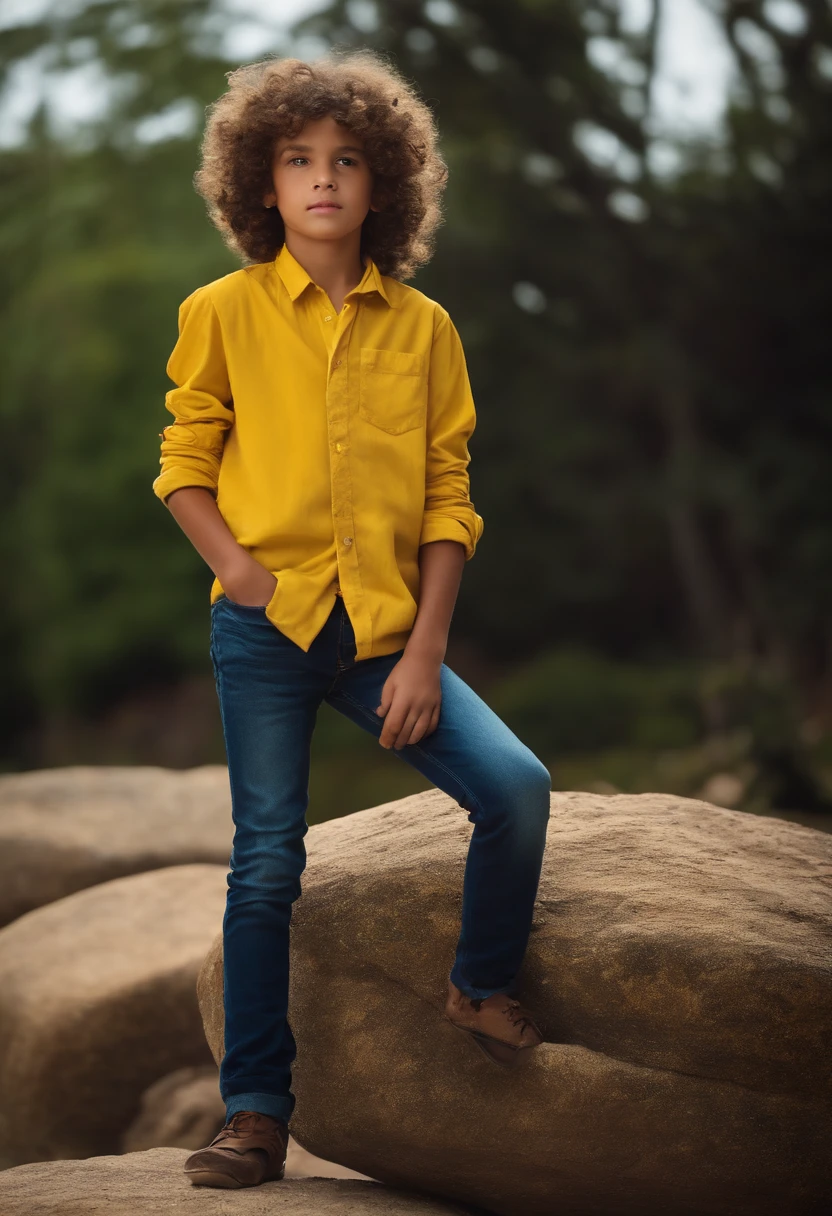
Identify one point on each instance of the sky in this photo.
(694, 65)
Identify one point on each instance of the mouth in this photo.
(324, 207)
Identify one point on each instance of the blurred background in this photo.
(638, 211)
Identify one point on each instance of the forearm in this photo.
(441, 563)
(195, 510)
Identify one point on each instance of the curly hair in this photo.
(276, 97)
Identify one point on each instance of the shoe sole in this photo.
(227, 1181)
(499, 1053)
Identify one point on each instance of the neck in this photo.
(336, 266)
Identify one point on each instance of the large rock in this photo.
(680, 966)
(97, 1001)
(64, 829)
(152, 1182)
(181, 1110)
(185, 1110)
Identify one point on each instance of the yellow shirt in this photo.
(335, 443)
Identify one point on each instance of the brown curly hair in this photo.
(276, 97)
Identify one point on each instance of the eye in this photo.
(293, 159)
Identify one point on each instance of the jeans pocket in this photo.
(245, 607)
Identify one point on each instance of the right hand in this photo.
(252, 586)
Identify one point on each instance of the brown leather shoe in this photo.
(498, 1024)
(250, 1149)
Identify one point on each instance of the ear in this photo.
(269, 200)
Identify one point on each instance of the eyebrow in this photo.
(309, 148)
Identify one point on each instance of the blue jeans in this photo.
(269, 690)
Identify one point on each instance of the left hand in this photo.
(410, 701)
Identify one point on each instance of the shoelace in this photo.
(512, 1010)
(238, 1125)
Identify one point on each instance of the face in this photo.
(325, 163)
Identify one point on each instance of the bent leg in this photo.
(476, 759)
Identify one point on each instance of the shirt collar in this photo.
(295, 278)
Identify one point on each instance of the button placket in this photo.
(338, 424)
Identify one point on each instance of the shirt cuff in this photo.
(178, 479)
(442, 527)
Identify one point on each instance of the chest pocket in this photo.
(393, 392)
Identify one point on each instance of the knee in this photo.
(534, 787)
(519, 795)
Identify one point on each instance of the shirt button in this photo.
(337, 447)
(337, 363)
(327, 318)
(347, 540)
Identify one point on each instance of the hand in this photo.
(410, 701)
(251, 585)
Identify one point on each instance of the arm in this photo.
(191, 450)
(195, 510)
(441, 563)
(449, 513)
(450, 525)
(412, 694)
(201, 403)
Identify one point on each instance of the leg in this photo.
(269, 690)
(473, 756)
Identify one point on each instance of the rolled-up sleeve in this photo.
(449, 513)
(201, 403)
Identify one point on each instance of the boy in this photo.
(318, 463)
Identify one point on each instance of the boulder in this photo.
(151, 1183)
(185, 1110)
(181, 1110)
(681, 971)
(97, 1001)
(64, 829)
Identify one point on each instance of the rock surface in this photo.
(139, 1184)
(181, 1110)
(97, 1001)
(185, 1110)
(64, 829)
(681, 971)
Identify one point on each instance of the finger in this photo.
(421, 728)
(432, 718)
(407, 729)
(394, 724)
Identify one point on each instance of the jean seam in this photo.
(218, 674)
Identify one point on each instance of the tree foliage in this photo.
(647, 349)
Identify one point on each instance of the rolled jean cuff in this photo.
(470, 990)
(265, 1104)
